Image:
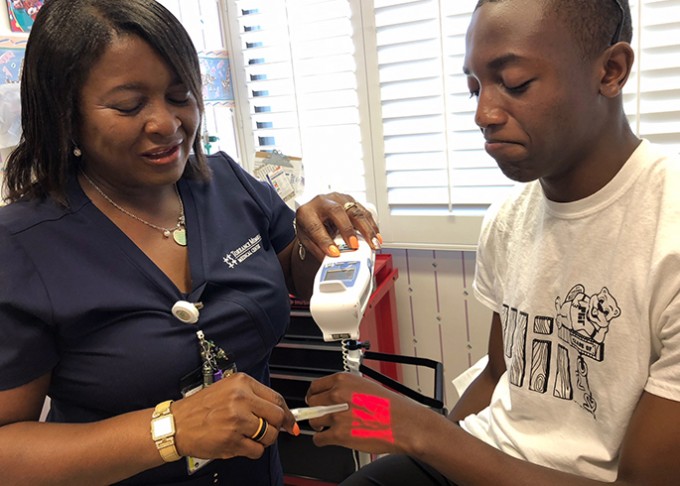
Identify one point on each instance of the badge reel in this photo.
(186, 312)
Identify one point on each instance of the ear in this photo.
(617, 62)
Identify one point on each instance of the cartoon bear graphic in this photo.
(587, 315)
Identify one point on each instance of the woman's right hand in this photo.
(219, 421)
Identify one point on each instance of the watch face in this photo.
(163, 427)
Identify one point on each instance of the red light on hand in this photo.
(371, 418)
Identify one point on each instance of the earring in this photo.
(77, 152)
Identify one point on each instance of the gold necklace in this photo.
(179, 234)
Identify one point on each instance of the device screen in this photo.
(339, 274)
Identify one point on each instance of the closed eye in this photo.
(520, 88)
(180, 98)
(473, 87)
(128, 109)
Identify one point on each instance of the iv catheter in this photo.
(308, 413)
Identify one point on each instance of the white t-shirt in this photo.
(589, 298)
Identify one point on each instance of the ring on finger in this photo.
(349, 205)
(261, 430)
(302, 251)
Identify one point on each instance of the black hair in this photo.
(594, 23)
(67, 38)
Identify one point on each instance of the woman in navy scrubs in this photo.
(135, 274)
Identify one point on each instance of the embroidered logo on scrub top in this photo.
(243, 252)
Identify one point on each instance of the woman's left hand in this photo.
(322, 218)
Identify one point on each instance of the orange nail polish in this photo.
(334, 250)
(296, 429)
(380, 239)
(353, 243)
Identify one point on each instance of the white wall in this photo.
(439, 318)
(4, 20)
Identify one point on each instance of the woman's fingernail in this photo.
(380, 238)
(376, 243)
(334, 250)
(296, 429)
(353, 243)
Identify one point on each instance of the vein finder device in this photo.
(342, 288)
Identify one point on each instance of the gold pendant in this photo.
(180, 236)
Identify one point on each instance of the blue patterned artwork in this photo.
(216, 77)
(11, 58)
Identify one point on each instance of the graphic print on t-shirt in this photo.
(582, 322)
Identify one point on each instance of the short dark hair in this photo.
(593, 22)
(66, 40)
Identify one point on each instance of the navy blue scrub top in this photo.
(78, 297)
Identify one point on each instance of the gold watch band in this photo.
(168, 450)
(166, 441)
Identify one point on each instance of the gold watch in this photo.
(163, 431)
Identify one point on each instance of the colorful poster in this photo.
(22, 14)
(11, 58)
(10, 64)
(216, 77)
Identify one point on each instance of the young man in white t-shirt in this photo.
(581, 267)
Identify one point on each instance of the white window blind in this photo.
(299, 70)
(387, 90)
(432, 167)
(652, 99)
